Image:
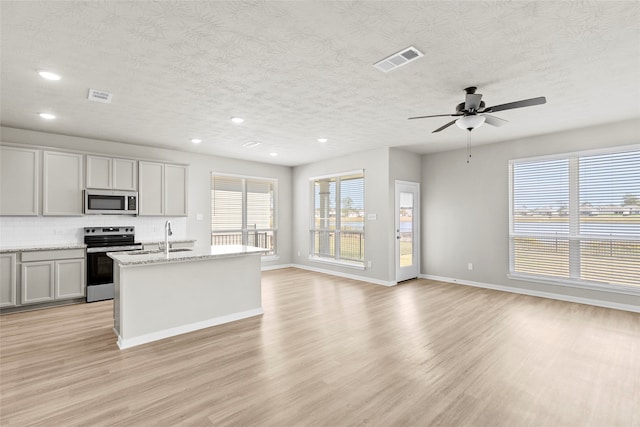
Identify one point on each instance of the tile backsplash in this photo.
(19, 231)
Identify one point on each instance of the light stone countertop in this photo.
(42, 247)
(138, 258)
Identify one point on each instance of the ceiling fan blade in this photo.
(445, 126)
(437, 115)
(494, 121)
(472, 101)
(517, 104)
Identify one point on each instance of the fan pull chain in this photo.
(468, 146)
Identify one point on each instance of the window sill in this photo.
(602, 287)
(338, 263)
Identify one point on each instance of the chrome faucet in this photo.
(167, 233)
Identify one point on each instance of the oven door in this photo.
(100, 272)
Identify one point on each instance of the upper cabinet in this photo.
(62, 183)
(162, 189)
(112, 173)
(175, 178)
(19, 181)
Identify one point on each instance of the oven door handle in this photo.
(114, 249)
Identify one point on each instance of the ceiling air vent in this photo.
(99, 96)
(398, 59)
(251, 144)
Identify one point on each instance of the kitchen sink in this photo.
(157, 251)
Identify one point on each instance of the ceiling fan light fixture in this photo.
(470, 122)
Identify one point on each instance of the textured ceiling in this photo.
(298, 71)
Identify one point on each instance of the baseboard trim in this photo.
(550, 295)
(345, 275)
(179, 330)
(275, 267)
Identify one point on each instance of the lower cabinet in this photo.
(37, 282)
(52, 275)
(8, 280)
(69, 280)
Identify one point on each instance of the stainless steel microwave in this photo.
(110, 202)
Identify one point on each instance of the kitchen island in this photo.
(159, 295)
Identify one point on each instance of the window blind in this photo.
(243, 211)
(576, 218)
(609, 220)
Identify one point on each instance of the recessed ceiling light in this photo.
(323, 140)
(49, 75)
(237, 120)
(47, 116)
(196, 140)
(251, 144)
(273, 154)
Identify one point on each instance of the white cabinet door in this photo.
(175, 189)
(111, 173)
(70, 278)
(8, 282)
(37, 282)
(151, 188)
(162, 189)
(125, 174)
(62, 183)
(19, 181)
(99, 172)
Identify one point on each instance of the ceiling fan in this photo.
(472, 112)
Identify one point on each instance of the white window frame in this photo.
(335, 260)
(574, 237)
(245, 230)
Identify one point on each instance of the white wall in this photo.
(200, 168)
(465, 214)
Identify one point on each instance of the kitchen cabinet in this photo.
(175, 177)
(52, 275)
(8, 280)
(19, 181)
(70, 278)
(37, 282)
(111, 173)
(162, 189)
(62, 183)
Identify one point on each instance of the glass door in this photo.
(407, 230)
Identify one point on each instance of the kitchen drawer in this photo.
(52, 255)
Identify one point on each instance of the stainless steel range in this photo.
(99, 241)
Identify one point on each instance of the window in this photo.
(243, 211)
(576, 219)
(337, 228)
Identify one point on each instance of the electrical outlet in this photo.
(199, 217)
(368, 264)
(470, 266)
(298, 253)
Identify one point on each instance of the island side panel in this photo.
(116, 298)
(161, 298)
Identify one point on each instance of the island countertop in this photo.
(138, 258)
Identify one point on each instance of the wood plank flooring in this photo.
(333, 352)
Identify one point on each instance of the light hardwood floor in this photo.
(333, 352)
